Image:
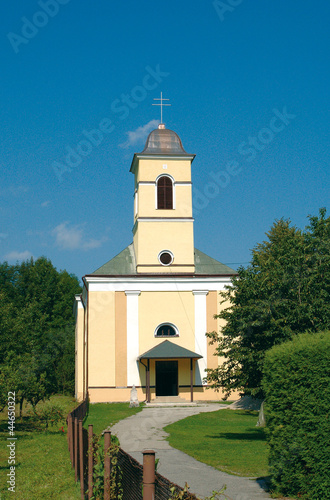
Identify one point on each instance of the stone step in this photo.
(167, 401)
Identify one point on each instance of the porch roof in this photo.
(167, 350)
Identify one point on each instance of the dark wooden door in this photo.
(166, 378)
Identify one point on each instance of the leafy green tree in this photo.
(36, 330)
(284, 291)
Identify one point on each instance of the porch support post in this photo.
(148, 381)
(191, 381)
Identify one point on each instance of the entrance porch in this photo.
(168, 367)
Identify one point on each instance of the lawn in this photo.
(225, 439)
(43, 468)
(101, 415)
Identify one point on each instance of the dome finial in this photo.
(161, 104)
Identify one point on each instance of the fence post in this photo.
(68, 434)
(72, 442)
(107, 443)
(76, 449)
(70, 438)
(148, 475)
(90, 461)
(81, 460)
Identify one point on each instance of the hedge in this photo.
(296, 382)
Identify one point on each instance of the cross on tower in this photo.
(161, 104)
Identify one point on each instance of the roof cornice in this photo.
(141, 156)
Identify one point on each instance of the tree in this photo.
(284, 291)
(36, 330)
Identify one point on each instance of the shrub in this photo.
(297, 387)
(49, 415)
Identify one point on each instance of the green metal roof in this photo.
(207, 265)
(167, 350)
(121, 265)
(124, 264)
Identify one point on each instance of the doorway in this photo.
(166, 378)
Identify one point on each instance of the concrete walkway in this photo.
(145, 431)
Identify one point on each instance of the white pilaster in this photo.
(200, 337)
(132, 336)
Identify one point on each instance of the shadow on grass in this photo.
(253, 435)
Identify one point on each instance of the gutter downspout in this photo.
(86, 348)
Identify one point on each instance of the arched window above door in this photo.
(166, 330)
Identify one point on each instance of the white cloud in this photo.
(14, 255)
(73, 238)
(140, 134)
(45, 203)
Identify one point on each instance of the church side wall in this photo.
(101, 343)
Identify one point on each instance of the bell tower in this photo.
(163, 232)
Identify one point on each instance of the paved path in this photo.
(145, 431)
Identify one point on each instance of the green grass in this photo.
(101, 415)
(226, 439)
(43, 468)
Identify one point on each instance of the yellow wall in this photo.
(212, 325)
(108, 395)
(153, 237)
(101, 345)
(116, 395)
(147, 202)
(108, 341)
(121, 339)
(221, 322)
(150, 169)
(166, 307)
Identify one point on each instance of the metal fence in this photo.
(137, 482)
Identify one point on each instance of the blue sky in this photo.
(248, 84)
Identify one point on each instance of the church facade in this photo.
(142, 317)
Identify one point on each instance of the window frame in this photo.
(167, 323)
(161, 253)
(156, 192)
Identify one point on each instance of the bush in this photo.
(297, 387)
(50, 414)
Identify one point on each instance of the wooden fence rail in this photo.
(138, 483)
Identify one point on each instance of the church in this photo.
(142, 316)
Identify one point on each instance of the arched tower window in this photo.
(165, 193)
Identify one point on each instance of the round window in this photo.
(165, 258)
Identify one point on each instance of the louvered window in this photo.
(165, 193)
